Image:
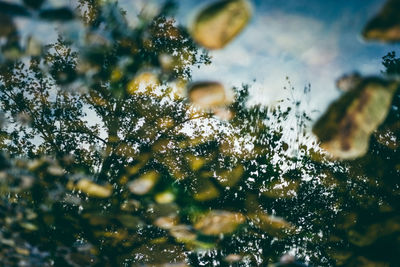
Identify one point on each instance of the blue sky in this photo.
(310, 41)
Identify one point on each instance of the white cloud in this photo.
(273, 46)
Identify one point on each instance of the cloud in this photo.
(303, 37)
(273, 46)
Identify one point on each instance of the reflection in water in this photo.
(106, 162)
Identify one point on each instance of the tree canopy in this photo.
(107, 163)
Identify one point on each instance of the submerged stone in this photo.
(165, 197)
(91, 189)
(220, 22)
(7, 26)
(230, 177)
(204, 190)
(166, 222)
(182, 233)
(344, 130)
(208, 95)
(284, 188)
(219, 222)
(162, 254)
(367, 236)
(389, 135)
(232, 258)
(130, 221)
(195, 162)
(386, 25)
(348, 82)
(144, 183)
(223, 113)
(146, 81)
(272, 225)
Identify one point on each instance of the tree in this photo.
(155, 180)
(138, 158)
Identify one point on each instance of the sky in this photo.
(310, 41)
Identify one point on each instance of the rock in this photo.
(7, 26)
(224, 114)
(368, 235)
(28, 226)
(158, 255)
(182, 233)
(165, 197)
(348, 82)
(344, 130)
(340, 256)
(385, 26)
(281, 188)
(219, 222)
(216, 25)
(55, 170)
(389, 135)
(230, 177)
(273, 225)
(144, 183)
(204, 190)
(144, 81)
(34, 47)
(195, 162)
(129, 221)
(166, 222)
(130, 205)
(232, 258)
(91, 189)
(208, 95)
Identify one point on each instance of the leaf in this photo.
(344, 130)
(386, 25)
(219, 23)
